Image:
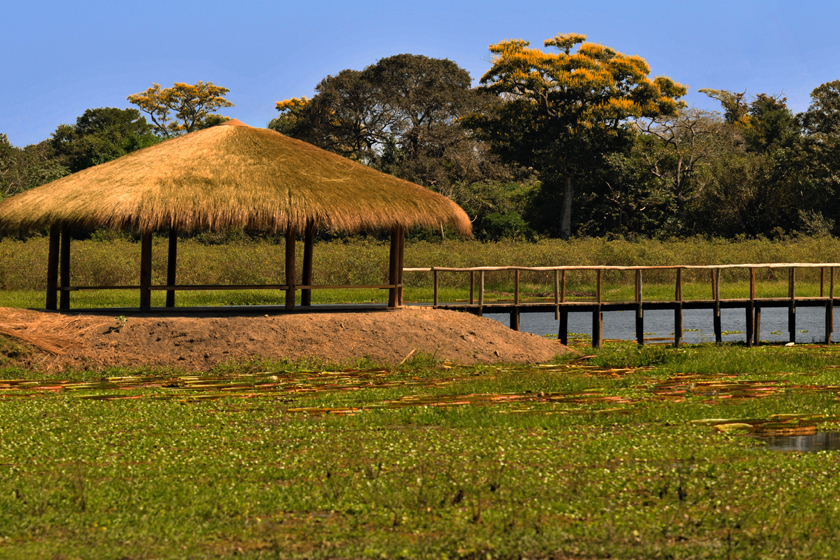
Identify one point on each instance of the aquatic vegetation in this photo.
(626, 452)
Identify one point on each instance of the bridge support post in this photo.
(597, 327)
(678, 325)
(640, 325)
(750, 316)
(563, 333)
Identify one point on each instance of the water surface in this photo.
(697, 324)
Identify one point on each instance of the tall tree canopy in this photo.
(818, 154)
(25, 168)
(564, 112)
(400, 115)
(183, 107)
(101, 135)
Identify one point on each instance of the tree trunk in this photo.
(566, 209)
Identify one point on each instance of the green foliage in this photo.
(771, 125)
(193, 106)
(734, 104)
(564, 112)
(25, 168)
(101, 135)
(400, 115)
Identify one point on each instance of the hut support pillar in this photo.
(64, 298)
(52, 268)
(395, 266)
(290, 267)
(308, 250)
(171, 264)
(400, 264)
(146, 271)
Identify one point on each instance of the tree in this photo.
(563, 112)
(192, 106)
(817, 154)
(771, 125)
(101, 135)
(734, 105)
(677, 150)
(25, 168)
(400, 115)
(764, 124)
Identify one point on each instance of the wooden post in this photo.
(678, 310)
(64, 296)
(822, 282)
(716, 294)
(145, 270)
(563, 333)
(400, 264)
(792, 304)
(640, 316)
(598, 286)
(171, 266)
(308, 250)
(435, 278)
(52, 267)
(597, 327)
(481, 288)
(678, 325)
(516, 287)
(757, 332)
(597, 315)
(514, 314)
(472, 287)
(556, 295)
(829, 307)
(831, 298)
(750, 311)
(291, 234)
(563, 287)
(393, 273)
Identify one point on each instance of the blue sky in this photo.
(60, 58)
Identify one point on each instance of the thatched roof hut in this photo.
(231, 176)
(226, 177)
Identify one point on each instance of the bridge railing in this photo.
(477, 278)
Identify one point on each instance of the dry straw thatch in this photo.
(231, 176)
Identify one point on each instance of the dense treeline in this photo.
(579, 141)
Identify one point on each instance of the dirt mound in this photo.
(199, 342)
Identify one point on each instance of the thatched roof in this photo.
(230, 176)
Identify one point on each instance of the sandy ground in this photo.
(199, 342)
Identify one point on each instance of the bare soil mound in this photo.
(199, 342)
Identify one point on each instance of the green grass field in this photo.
(622, 453)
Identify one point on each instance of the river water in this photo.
(697, 324)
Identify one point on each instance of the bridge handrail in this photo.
(609, 267)
(560, 278)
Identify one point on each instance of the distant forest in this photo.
(573, 140)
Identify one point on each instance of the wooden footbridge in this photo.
(562, 306)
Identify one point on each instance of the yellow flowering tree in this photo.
(183, 107)
(564, 111)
